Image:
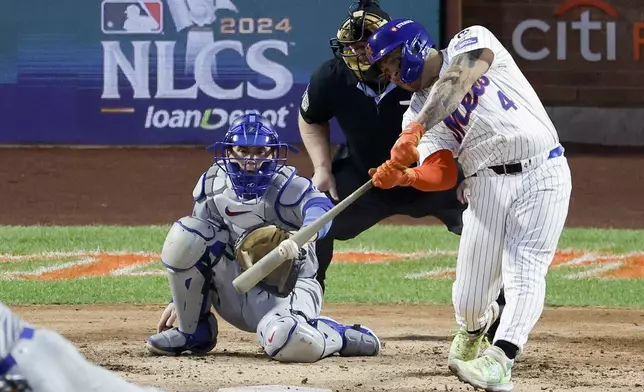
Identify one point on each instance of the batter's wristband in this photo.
(410, 177)
(414, 128)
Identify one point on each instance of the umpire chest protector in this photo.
(371, 124)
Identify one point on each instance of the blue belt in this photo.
(8, 362)
(556, 152)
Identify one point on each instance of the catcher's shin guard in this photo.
(357, 340)
(291, 338)
(191, 248)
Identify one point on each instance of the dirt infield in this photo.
(153, 186)
(570, 350)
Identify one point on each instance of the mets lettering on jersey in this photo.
(457, 121)
(500, 119)
(132, 17)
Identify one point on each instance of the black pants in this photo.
(378, 204)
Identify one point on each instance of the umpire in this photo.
(369, 112)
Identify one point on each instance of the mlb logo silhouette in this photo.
(132, 17)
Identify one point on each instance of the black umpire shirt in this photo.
(371, 125)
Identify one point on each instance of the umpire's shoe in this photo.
(357, 340)
(174, 342)
(467, 346)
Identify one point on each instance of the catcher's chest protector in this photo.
(240, 217)
(286, 187)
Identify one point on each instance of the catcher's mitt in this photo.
(257, 242)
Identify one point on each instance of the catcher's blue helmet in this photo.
(411, 36)
(251, 176)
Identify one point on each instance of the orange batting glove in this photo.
(390, 174)
(404, 151)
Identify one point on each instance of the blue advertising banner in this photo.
(150, 72)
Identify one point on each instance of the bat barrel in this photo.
(267, 264)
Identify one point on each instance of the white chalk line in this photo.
(607, 262)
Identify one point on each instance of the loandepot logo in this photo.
(209, 119)
(585, 27)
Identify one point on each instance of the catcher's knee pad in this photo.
(189, 239)
(291, 339)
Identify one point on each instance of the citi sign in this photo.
(585, 26)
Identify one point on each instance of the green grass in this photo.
(20, 240)
(356, 283)
(104, 290)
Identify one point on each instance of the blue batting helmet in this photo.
(411, 36)
(251, 176)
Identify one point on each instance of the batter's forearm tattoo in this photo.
(449, 90)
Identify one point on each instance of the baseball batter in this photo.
(471, 101)
(41, 360)
(246, 204)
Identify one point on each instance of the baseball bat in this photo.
(273, 259)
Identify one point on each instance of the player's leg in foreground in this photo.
(293, 331)
(535, 220)
(190, 250)
(44, 361)
(478, 275)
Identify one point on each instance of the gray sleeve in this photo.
(10, 327)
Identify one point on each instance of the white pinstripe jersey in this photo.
(501, 120)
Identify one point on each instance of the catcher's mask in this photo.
(363, 20)
(250, 172)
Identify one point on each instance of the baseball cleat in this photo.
(174, 342)
(466, 346)
(357, 340)
(491, 372)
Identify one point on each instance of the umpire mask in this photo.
(349, 42)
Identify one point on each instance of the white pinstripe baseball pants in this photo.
(511, 229)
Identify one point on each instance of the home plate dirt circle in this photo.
(272, 388)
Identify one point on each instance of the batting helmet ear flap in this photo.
(413, 59)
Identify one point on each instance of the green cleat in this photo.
(466, 346)
(491, 372)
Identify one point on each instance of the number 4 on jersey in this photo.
(506, 103)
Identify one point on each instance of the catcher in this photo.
(246, 204)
